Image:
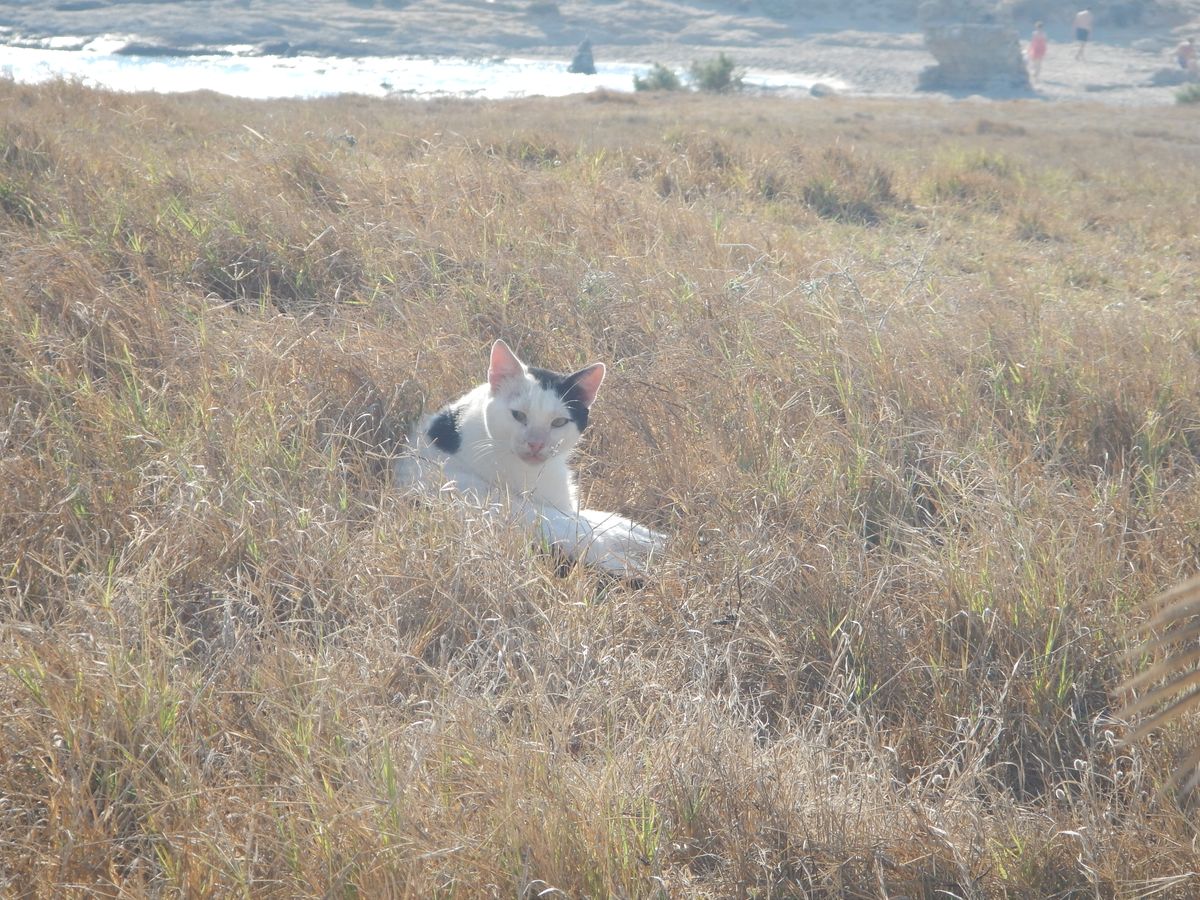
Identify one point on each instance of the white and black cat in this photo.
(506, 444)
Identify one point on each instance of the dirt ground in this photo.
(870, 55)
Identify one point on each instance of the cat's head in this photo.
(534, 413)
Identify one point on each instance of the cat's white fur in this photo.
(518, 463)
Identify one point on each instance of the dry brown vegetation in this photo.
(914, 388)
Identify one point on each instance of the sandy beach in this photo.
(872, 56)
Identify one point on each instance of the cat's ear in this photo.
(586, 383)
(504, 366)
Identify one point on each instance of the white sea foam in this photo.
(240, 74)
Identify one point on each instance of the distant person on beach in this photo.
(1037, 50)
(1083, 30)
(1185, 55)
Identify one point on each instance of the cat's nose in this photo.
(536, 446)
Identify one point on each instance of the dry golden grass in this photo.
(914, 388)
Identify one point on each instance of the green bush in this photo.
(1188, 94)
(659, 78)
(716, 75)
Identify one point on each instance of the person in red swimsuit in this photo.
(1037, 50)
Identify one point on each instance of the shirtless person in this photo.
(1083, 30)
(1185, 55)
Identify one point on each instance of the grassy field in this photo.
(913, 388)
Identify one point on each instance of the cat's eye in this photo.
(559, 422)
(520, 416)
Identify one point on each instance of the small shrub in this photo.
(847, 189)
(659, 78)
(716, 75)
(24, 151)
(1188, 94)
(830, 201)
(771, 185)
(978, 178)
(528, 152)
(1031, 227)
(16, 203)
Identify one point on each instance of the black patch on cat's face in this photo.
(568, 390)
(443, 431)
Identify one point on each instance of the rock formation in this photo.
(976, 48)
(582, 63)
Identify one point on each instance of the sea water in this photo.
(240, 72)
